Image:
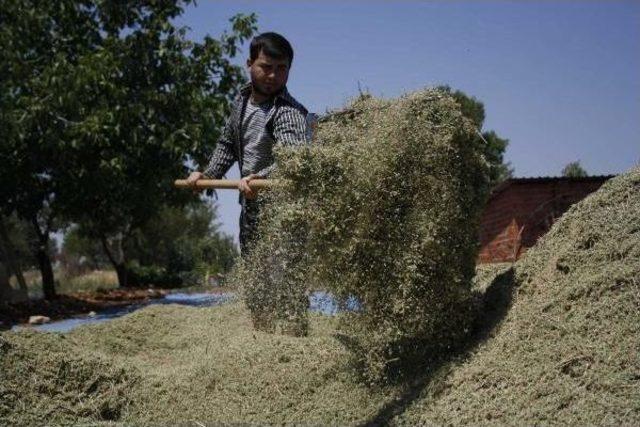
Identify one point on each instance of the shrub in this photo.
(147, 275)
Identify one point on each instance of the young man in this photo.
(264, 114)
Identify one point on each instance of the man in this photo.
(264, 114)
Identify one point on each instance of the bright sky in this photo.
(559, 79)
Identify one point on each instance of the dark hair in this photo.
(273, 45)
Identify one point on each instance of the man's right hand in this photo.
(191, 180)
(243, 186)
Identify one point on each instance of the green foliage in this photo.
(80, 253)
(103, 104)
(178, 245)
(184, 240)
(385, 207)
(152, 275)
(493, 145)
(493, 151)
(574, 170)
(22, 239)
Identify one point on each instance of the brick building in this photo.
(520, 210)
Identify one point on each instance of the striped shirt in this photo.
(252, 131)
(256, 140)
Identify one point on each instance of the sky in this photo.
(559, 79)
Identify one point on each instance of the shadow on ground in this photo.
(496, 302)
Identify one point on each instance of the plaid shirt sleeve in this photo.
(290, 128)
(224, 154)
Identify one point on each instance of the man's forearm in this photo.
(264, 173)
(221, 161)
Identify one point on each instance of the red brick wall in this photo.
(523, 210)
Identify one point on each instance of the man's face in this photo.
(268, 75)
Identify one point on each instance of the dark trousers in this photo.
(248, 224)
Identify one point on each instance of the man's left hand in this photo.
(244, 188)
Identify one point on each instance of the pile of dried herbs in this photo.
(43, 378)
(568, 350)
(384, 207)
(178, 365)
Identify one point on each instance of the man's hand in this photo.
(191, 180)
(244, 188)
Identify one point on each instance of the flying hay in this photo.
(384, 207)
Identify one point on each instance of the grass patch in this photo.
(94, 281)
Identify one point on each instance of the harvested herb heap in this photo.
(383, 207)
(568, 350)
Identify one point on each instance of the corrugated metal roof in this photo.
(562, 178)
(543, 179)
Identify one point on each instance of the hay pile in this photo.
(41, 380)
(568, 352)
(177, 365)
(384, 207)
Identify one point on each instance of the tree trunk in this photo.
(117, 259)
(8, 254)
(44, 262)
(46, 270)
(123, 278)
(6, 291)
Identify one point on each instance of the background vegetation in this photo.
(104, 104)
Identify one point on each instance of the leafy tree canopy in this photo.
(104, 103)
(494, 145)
(574, 170)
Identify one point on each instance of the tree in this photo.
(80, 253)
(176, 242)
(6, 291)
(104, 103)
(494, 145)
(574, 170)
(26, 47)
(11, 261)
(184, 240)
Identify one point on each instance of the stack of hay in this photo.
(568, 350)
(43, 378)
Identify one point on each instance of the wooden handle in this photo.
(221, 184)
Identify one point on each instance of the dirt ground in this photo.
(73, 304)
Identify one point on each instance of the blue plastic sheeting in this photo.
(195, 300)
(319, 301)
(324, 303)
